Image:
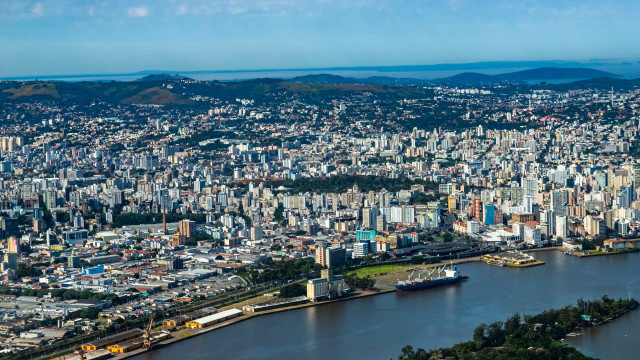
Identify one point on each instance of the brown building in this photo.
(187, 228)
(178, 239)
(13, 245)
(523, 218)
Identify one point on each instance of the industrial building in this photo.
(182, 319)
(137, 343)
(328, 286)
(112, 340)
(213, 319)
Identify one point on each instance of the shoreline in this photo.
(244, 317)
(247, 316)
(580, 254)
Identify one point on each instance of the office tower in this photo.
(187, 228)
(13, 245)
(562, 230)
(530, 194)
(381, 223)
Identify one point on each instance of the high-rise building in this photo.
(530, 194)
(562, 227)
(489, 214)
(369, 216)
(187, 228)
(331, 256)
(256, 233)
(559, 200)
(10, 261)
(381, 223)
(178, 240)
(13, 245)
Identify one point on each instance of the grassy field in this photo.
(595, 252)
(34, 89)
(380, 269)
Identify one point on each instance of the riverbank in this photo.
(534, 336)
(430, 319)
(384, 284)
(480, 275)
(188, 333)
(590, 253)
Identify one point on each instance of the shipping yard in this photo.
(511, 258)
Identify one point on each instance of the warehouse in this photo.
(214, 319)
(93, 355)
(137, 343)
(126, 346)
(181, 319)
(111, 340)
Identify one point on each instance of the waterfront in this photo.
(378, 327)
(615, 340)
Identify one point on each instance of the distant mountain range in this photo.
(154, 89)
(344, 80)
(460, 67)
(543, 73)
(163, 77)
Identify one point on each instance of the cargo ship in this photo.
(438, 276)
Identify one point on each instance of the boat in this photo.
(438, 276)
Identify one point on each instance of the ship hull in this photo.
(428, 284)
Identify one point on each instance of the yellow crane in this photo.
(147, 335)
(80, 351)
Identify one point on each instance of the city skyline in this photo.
(70, 37)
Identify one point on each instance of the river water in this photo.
(377, 327)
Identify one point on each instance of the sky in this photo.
(58, 37)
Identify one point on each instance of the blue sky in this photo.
(46, 37)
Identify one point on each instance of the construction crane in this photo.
(80, 351)
(147, 335)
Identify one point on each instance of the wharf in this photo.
(512, 258)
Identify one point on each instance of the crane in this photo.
(80, 351)
(147, 335)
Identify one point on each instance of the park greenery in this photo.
(193, 240)
(531, 336)
(64, 294)
(24, 270)
(293, 290)
(353, 281)
(423, 199)
(280, 270)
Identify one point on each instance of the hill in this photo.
(469, 78)
(171, 92)
(325, 79)
(376, 80)
(544, 73)
(154, 96)
(555, 73)
(603, 83)
(38, 88)
(163, 77)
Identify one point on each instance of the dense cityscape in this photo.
(170, 206)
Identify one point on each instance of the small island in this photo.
(532, 336)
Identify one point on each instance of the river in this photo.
(377, 327)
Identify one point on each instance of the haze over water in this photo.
(627, 70)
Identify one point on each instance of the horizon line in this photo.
(476, 65)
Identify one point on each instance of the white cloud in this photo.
(141, 11)
(36, 10)
(182, 10)
(235, 8)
